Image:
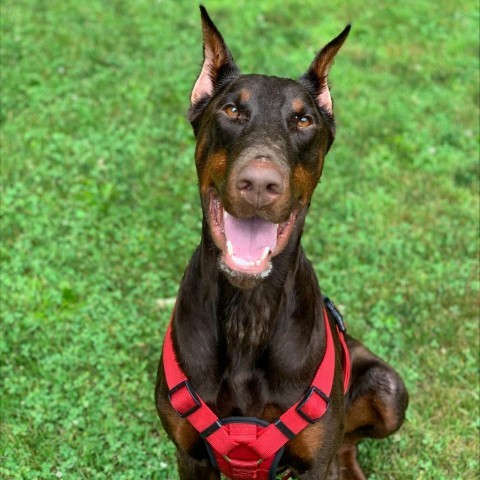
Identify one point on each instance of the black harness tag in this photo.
(335, 314)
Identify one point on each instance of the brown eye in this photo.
(303, 121)
(231, 111)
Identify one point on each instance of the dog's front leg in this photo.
(191, 469)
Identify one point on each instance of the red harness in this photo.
(244, 448)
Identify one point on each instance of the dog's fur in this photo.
(249, 333)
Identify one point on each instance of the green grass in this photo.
(100, 215)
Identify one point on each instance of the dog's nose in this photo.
(260, 183)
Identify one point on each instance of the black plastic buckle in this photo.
(284, 429)
(211, 429)
(192, 393)
(306, 398)
(335, 314)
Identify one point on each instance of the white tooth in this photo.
(225, 214)
(229, 247)
(265, 253)
(239, 261)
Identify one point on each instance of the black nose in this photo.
(260, 183)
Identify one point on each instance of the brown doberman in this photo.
(249, 329)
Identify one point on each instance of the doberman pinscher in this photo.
(250, 326)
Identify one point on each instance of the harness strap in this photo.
(336, 315)
(308, 410)
(188, 404)
(345, 361)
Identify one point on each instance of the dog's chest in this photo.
(251, 377)
(247, 330)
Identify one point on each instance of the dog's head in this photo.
(261, 143)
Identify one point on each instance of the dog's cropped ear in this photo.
(217, 60)
(317, 75)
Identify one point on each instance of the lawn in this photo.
(100, 215)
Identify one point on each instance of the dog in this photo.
(250, 328)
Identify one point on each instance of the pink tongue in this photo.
(250, 236)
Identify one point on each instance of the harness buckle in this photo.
(211, 429)
(184, 404)
(309, 408)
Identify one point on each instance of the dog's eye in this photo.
(303, 121)
(231, 111)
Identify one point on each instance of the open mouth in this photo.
(247, 244)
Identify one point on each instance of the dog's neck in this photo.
(247, 317)
(232, 329)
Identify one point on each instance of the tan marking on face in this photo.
(200, 148)
(321, 160)
(304, 183)
(244, 95)
(298, 105)
(214, 170)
